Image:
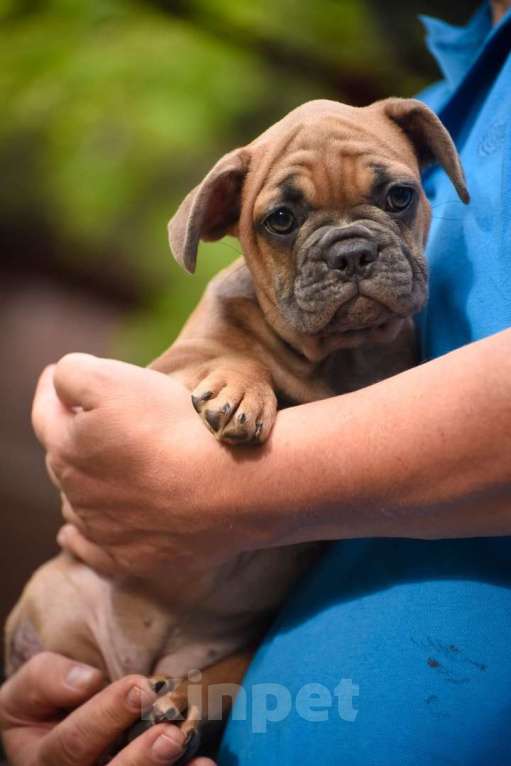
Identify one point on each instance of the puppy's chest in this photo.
(350, 370)
(342, 372)
(353, 369)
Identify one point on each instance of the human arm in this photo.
(424, 454)
(35, 732)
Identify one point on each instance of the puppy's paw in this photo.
(172, 706)
(235, 409)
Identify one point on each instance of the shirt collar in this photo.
(456, 48)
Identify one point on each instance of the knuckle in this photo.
(134, 694)
(126, 683)
(119, 690)
(91, 371)
(72, 361)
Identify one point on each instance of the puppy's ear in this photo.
(210, 209)
(430, 138)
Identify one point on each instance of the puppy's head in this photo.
(331, 216)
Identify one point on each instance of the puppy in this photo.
(332, 220)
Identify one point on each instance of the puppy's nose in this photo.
(352, 257)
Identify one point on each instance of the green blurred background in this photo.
(110, 112)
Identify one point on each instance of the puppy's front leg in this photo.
(224, 355)
(235, 399)
(232, 392)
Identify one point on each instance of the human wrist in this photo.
(272, 494)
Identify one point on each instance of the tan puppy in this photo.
(332, 220)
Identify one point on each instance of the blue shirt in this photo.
(420, 629)
(469, 248)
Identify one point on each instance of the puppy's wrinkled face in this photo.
(331, 217)
(340, 225)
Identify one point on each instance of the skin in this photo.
(35, 734)
(451, 480)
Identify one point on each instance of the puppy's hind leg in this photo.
(53, 614)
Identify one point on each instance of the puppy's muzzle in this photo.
(351, 251)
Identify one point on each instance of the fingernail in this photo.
(168, 745)
(81, 676)
(140, 698)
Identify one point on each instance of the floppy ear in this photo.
(210, 209)
(430, 138)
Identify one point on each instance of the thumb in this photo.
(44, 685)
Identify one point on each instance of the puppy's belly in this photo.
(69, 609)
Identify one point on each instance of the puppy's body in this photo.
(332, 220)
(127, 627)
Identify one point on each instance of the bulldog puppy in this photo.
(332, 220)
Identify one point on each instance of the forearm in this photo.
(424, 454)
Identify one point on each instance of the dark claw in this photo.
(172, 714)
(214, 418)
(236, 438)
(198, 400)
(192, 743)
(258, 429)
(242, 418)
(161, 685)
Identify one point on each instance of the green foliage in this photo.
(119, 105)
(113, 109)
(341, 33)
(151, 329)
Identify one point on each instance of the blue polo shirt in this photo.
(470, 248)
(398, 652)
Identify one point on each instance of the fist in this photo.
(137, 470)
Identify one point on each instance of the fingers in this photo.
(92, 729)
(77, 381)
(71, 540)
(84, 381)
(162, 744)
(46, 684)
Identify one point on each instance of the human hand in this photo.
(35, 733)
(142, 479)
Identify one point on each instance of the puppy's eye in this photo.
(399, 198)
(281, 221)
